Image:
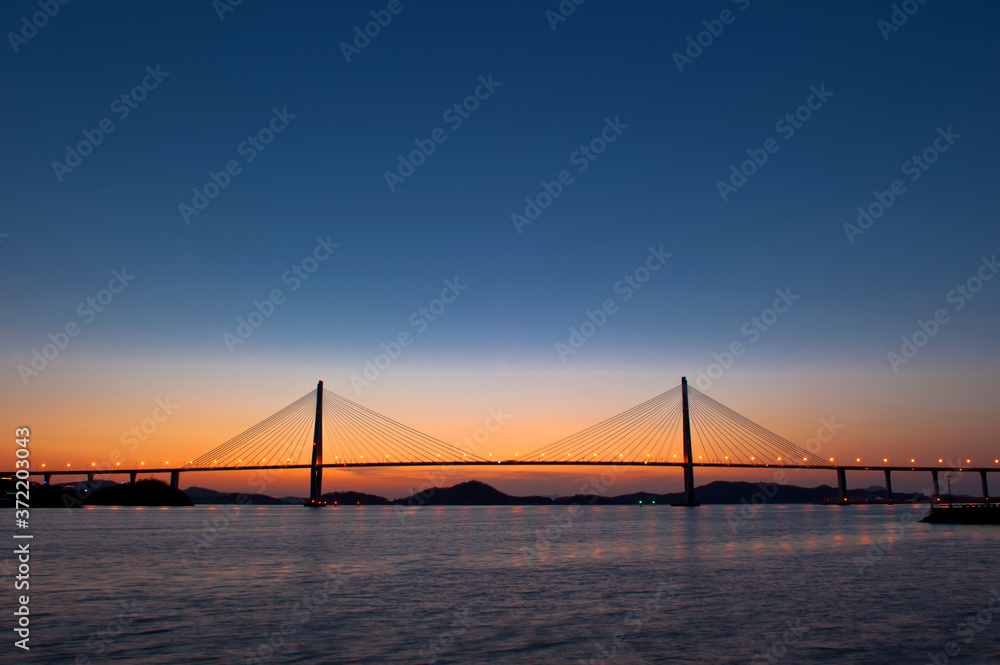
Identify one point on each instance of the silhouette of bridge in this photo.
(681, 427)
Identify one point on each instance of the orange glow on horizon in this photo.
(545, 407)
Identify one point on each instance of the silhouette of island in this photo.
(141, 493)
(102, 493)
(477, 493)
(202, 495)
(469, 493)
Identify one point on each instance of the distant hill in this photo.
(353, 499)
(82, 485)
(477, 493)
(142, 493)
(734, 492)
(106, 493)
(204, 496)
(470, 493)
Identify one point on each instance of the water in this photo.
(616, 584)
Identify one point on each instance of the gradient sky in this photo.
(323, 176)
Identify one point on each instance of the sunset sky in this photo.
(643, 220)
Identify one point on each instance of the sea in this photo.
(534, 585)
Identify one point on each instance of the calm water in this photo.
(284, 584)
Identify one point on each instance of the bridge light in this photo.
(803, 459)
(116, 464)
(831, 459)
(858, 460)
(885, 459)
(93, 464)
(912, 461)
(968, 461)
(67, 463)
(940, 461)
(142, 464)
(43, 464)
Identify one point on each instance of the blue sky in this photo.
(655, 185)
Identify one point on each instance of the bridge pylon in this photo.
(688, 461)
(316, 468)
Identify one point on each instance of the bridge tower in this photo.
(688, 461)
(316, 469)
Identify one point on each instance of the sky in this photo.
(793, 206)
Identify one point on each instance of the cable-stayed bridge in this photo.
(681, 427)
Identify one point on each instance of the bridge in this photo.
(681, 427)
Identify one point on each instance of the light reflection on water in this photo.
(505, 584)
